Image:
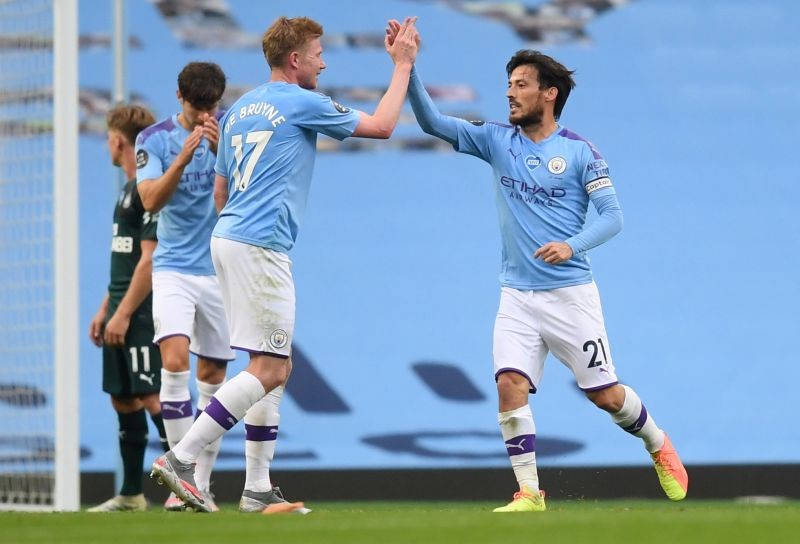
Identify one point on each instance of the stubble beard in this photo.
(531, 119)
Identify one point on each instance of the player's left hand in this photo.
(116, 329)
(554, 252)
(211, 131)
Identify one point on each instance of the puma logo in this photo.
(231, 421)
(515, 155)
(518, 446)
(169, 407)
(148, 378)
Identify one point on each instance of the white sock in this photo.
(223, 411)
(261, 426)
(207, 457)
(519, 432)
(176, 404)
(633, 418)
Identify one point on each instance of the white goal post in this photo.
(39, 312)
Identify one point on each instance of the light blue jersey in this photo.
(266, 152)
(186, 222)
(542, 193)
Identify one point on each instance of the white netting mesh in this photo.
(26, 253)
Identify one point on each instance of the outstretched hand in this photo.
(402, 40)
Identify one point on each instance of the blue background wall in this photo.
(693, 105)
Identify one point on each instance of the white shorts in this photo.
(567, 321)
(191, 306)
(258, 293)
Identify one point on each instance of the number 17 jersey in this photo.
(266, 152)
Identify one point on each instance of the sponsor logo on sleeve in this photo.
(478, 123)
(340, 108)
(596, 165)
(557, 165)
(141, 158)
(597, 184)
(597, 169)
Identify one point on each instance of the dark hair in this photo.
(201, 84)
(287, 35)
(551, 74)
(129, 120)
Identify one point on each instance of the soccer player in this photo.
(175, 175)
(264, 166)
(544, 177)
(123, 325)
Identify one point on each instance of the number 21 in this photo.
(593, 345)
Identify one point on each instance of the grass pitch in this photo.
(617, 522)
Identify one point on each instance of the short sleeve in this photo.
(321, 114)
(149, 157)
(475, 138)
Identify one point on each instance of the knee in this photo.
(277, 378)
(610, 399)
(151, 403)
(271, 371)
(173, 361)
(175, 353)
(126, 405)
(512, 387)
(211, 370)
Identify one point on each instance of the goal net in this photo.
(37, 466)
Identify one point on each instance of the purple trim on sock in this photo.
(157, 341)
(220, 414)
(518, 371)
(197, 413)
(639, 423)
(260, 433)
(176, 409)
(599, 387)
(258, 352)
(524, 443)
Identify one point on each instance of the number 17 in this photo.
(259, 137)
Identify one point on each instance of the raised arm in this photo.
(428, 116)
(402, 47)
(157, 192)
